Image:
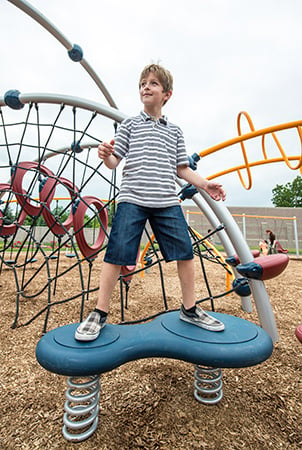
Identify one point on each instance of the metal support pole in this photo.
(296, 236)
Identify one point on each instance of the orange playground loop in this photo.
(241, 138)
(232, 240)
(293, 162)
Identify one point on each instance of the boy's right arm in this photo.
(106, 153)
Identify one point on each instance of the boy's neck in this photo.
(155, 113)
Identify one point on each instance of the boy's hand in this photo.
(215, 190)
(106, 153)
(105, 150)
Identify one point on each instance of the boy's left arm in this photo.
(213, 188)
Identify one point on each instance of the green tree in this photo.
(91, 222)
(111, 211)
(60, 213)
(39, 222)
(289, 194)
(8, 215)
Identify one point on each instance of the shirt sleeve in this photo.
(122, 138)
(182, 157)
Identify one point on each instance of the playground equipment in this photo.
(77, 164)
(251, 223)
(298, 332)
(50, 150)
(241, 344)
(280, 249)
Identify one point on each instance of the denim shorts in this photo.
(168, 225)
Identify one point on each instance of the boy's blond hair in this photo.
(163, 75)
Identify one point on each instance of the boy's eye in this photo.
(154, 83)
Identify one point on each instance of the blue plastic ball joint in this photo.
(242, 287)
(193, 160)
(75, 147)
(76, 53)
(187, 192)
(12, 100)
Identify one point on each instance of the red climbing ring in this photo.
(8, 230)
(17, 179)
(125, 270)
(46, 195)
(299, 332)
(78, 226)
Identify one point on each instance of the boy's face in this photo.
(152, 93)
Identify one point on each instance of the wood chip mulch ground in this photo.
(149, 404)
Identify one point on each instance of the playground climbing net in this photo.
(51, 176)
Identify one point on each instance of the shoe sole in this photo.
(87, 337)
(202, 325)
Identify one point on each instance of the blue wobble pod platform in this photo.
(241, 344)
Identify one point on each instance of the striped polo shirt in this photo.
(152, 151)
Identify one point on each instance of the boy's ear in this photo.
(168, 95)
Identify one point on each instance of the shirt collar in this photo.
(163, 120)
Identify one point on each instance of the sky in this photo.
(225, 57)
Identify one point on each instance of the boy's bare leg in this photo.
(197, 316)
(187, 282)
(108, 279)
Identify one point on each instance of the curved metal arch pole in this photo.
(227, 244)
(246, 302)
(45, 23)
(260, 295)
(69, 100)
(19, 100)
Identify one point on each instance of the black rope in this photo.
(38, 138)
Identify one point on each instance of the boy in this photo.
(155, 154)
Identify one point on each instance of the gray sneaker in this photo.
(201, 319)
(90, 328)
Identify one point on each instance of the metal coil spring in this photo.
(82, 408)
(208, 385)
